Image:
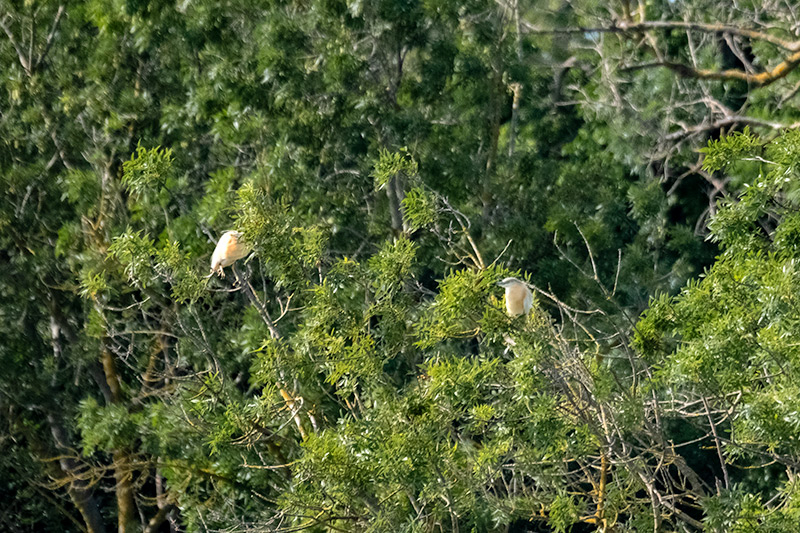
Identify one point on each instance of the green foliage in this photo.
(147, 170)
(177, 268)
(458, 308)
(564, 511)
(135, 252)
(93, 284)
(358, 371)
(391, 266)
(289, 251)
(82, 189)
(730, 149)
(215, 205)
(392, 164)
(419, 208)
(107, 427)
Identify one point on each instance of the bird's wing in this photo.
(528, 300)
(235, 249)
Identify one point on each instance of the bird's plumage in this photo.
(519, 298)
(230, 248)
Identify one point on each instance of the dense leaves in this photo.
(386, 164)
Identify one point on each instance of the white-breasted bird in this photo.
(230, 248)
(519, 298)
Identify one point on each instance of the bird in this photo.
(519, 298)
(229, 249)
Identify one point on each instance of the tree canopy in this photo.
(386, 164)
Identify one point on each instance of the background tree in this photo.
(388, 163)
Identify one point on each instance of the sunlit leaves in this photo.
(392, 266)
(288, 249)
(391, 164)
(147, 170)
(135, 251)
(178, 269)
(729, 149)
(419, 208)
(730, 336)
(564, 511)
(458, 307)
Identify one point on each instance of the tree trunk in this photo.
(123, 472)
(78, 488)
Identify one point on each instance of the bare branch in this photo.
(20, 53)
(728, 121)
(157, 519)
(49, 42)
(761, 79)
(639, 27)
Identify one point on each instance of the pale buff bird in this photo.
(230, 248)
(519, 298)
